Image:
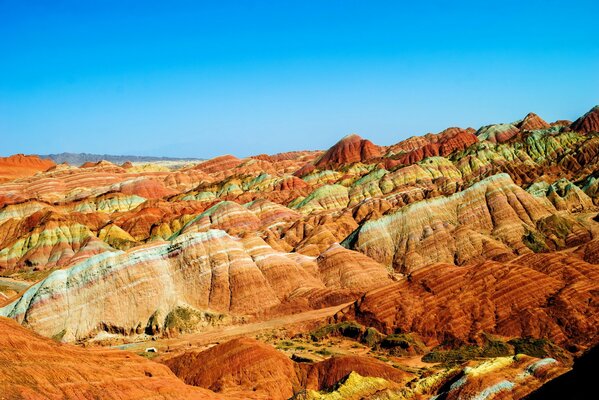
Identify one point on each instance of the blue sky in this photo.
(203, 78)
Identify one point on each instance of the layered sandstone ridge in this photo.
(493, 219)
(553, 296)
(210, 274)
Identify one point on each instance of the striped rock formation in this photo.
(33, 367)
(588, 122)
(210, 273)
(493, 219)
(553, 296)
(453, 236)
(350, 149)
(497, 133)
(20, 165)
(532, 122)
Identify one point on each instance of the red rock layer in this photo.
(588, 122)
(532, 122)
(20, 165)
(240, 365)
(32, 367)
(349, 150)
(551, 296)
(218, 164)
(441, 144)
(251, 368)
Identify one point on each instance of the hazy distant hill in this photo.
(80, 158)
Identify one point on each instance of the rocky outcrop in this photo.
(416, 149)
(255, 370)
(532, 122)
(588, 122)
(350, 149)
(46, 239)
(218, 164)
(498, 133)
(239, 366)
(340, 268)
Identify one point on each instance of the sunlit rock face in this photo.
(532, 122)
(35, 367)
(350, 149)
(20, 165)
(130, 292)
(588, 122)
(551, 296)
(490, 220)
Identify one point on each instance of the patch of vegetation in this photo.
(58, 337)
(372, 337)
(324, 352)
(186, 319)
(530, 346)
(452, 356)
(351, 330)
(495, 348)
(557, 225)
(492, 347)
(402, 344)
(535, 242)
(540, 348)
(301, 359)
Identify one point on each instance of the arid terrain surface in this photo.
(462, 264)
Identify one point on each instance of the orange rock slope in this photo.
(32, 367)
(20, 165)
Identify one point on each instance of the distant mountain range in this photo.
(81, 158)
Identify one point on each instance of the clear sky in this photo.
(203, 78)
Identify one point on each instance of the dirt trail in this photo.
(220, 334)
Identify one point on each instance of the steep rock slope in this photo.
(208, 274)
(350, 149)
(493, 219)
(32, 367)
(532, 122)
(20, 165)
(552, 296)
(588, 122)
